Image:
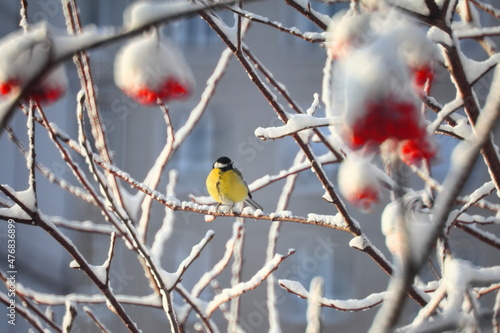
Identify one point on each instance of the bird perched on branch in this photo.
(226, 185)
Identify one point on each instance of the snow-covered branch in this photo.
(242, 287)
(369, 302)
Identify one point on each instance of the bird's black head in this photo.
(224, 163)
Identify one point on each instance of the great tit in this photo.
(226, 185)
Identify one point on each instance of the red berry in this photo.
(386, 119)
(7, 87)
(422, 75)
(416, 150)
(171, 89)
(365, 198)
(144, 96)
(47, 96)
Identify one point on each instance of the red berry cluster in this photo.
(41, 92)
(390, 119)
(385, 119)
(171, 89)
(152, 68)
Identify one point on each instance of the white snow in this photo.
(100, 272)
(166, 229)
(295, 124)
(210, 218)
(474, 70)
(64, 45)
(314, 305)
(132, 202)
(483, 191)
(445, 111)
(74, 264)
(458, 276)
(336, 220)
(439, 36)
(476, 32)
(358, 242)
(221, 264)
(26, 198)
(25, 54)
(378, 65)
(406, 215)
(345, 29)
(69, 316)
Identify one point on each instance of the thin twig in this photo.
(310, 37)
(23, 312)
(154, 176)
(95, 319)
(242, 287)
(31, 157)
(77, 256)
(82, 62)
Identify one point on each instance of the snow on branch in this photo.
(304, 7)
(204, 281)
(314, 305)
(313, 37)
(195, 253)
(176, 204)
(369, 302)
(295, 124)
(242, 287)
(458, 276)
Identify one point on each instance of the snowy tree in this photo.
(385, 139)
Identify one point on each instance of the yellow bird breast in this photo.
(226, 187)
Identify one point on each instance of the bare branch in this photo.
(95, 319)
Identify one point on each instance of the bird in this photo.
(226, 184)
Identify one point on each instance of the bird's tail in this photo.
(252, 203)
